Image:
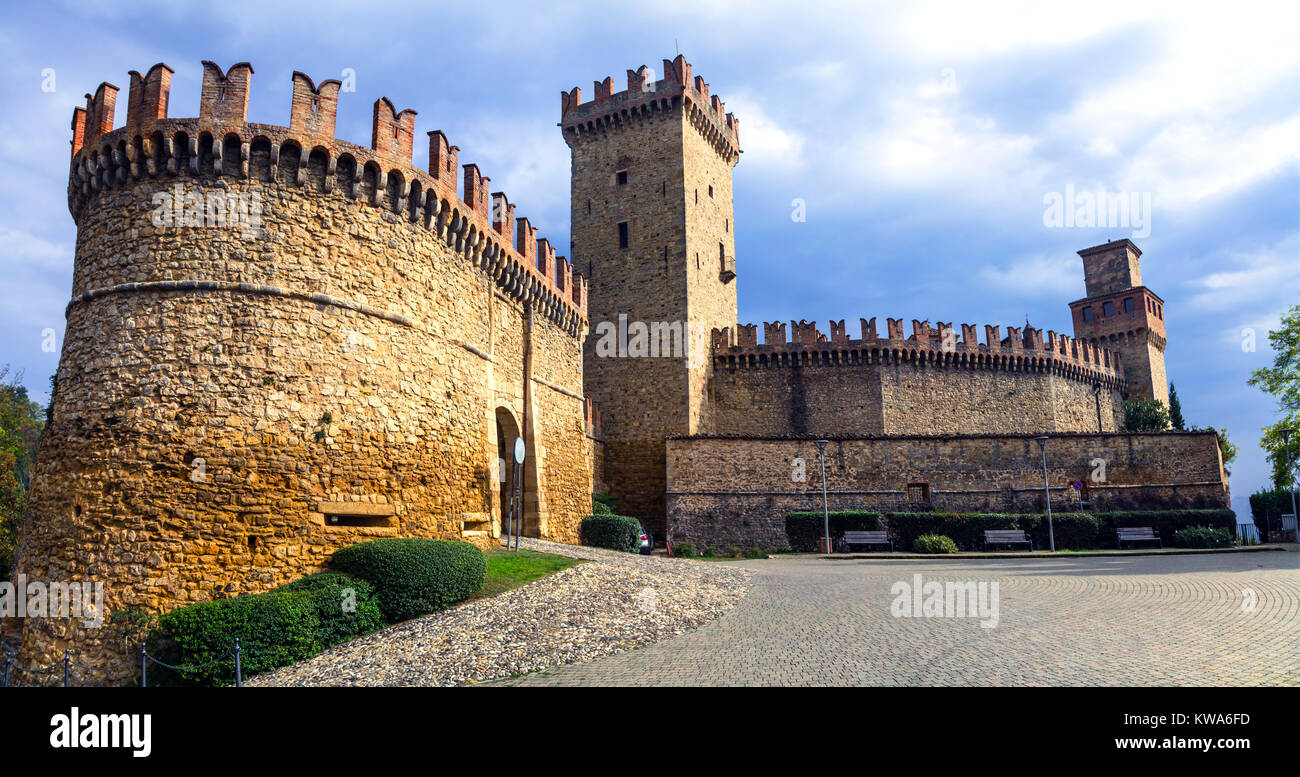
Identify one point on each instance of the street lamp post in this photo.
(1290, 476)
(1047, 492)
(826, 511)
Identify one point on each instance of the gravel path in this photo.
(611, 603)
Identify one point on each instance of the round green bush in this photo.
(933, 543)
(685, 550)
(615, 532)
(346, 606)
(1202, 537)
(274, 629)
(413, 576)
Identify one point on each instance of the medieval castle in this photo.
(348, 352)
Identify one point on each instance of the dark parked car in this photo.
(647, 541)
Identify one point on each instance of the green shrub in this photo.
(615, 532)
(1202, 537)
(413, 576)
(934, 543)
(804, 528)
(709, 552)
(733, 552)
(274, 629)
(755, 553)
(604, 504)
(1165, 522)
(685, 550)
(346, 607)
(1267, 509)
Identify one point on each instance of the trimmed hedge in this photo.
(804, 528)
(1165, 522)
(274, 629)
(1076, 531)
(1202, 537)
(933, 543)
(615, 532)
(331, 592)
(414, 576)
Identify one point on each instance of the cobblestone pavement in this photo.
(1228, 619)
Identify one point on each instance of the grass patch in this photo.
(507, 569)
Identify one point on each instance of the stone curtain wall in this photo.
(222, 391)
(904, 398)
(731, 491)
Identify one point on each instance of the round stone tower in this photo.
(279, 343)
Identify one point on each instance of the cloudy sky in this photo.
(923, 138)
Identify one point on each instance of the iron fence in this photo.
(67, 664)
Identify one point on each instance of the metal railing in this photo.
(10, 666)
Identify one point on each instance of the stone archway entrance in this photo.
(507, 474)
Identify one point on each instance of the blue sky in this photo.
(923, 138)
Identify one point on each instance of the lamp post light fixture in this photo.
(1047, 492)
(1290, 476)
(826, 511)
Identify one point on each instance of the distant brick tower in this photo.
(1121, 314)
(653, 230)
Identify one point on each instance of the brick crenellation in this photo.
(221, 141)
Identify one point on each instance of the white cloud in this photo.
(1035, 276)
(767, 145)
(1266, 275)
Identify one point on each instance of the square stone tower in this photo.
(1121, 314)
(654, 232)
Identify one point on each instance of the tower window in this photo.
(1129, 307)
(726, 225)
(622, 234)
(710, 190)
(1087, 314)
(697, 196)
(588, 207)
(1108, 308)
(622, 177)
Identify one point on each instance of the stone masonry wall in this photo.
(736, 492)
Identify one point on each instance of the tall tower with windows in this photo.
(654, 232)
(1121, 314)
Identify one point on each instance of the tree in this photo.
(1176, 410)
(21, 423)
(1282, 380)
(1226, 447)
(1145, 415)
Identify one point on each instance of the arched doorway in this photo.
(507, 473)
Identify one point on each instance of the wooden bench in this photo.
(1006, 537)
(1125, 534)
(866, 538)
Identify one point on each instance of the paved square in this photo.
(1223, 619)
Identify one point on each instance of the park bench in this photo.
(1006, 537)
(866, 538)
(1125, 534)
